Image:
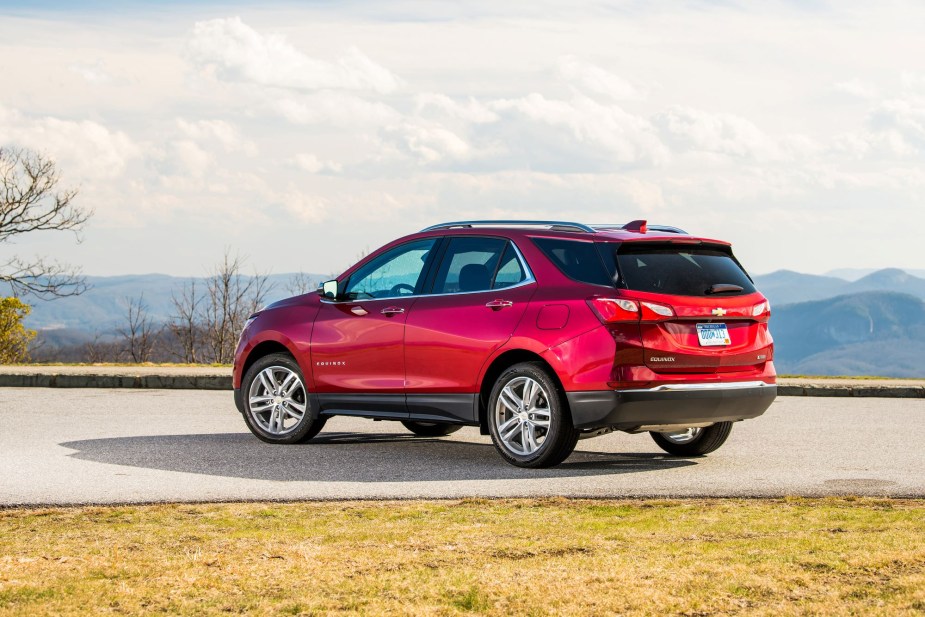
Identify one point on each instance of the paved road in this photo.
(109, 446)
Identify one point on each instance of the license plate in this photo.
(712, 334)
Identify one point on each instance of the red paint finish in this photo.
(447, 338)
(446, 343)
(552, 317)
(360, 352)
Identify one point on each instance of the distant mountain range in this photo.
(853, 274)
(786, 287)
(102, 307)
(868, 333)
(822, 324)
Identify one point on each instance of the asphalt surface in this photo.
(70, 446)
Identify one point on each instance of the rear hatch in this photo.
(699, 310)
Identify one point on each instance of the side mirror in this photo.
(331, 290)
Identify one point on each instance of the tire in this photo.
(430, 429)
(705, 441)
(554, 441)
(279, 420)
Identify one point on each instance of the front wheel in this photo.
(693, 441)
(276, 404)
(430, 429)
(528, 418)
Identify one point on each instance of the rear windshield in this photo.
(680, 270)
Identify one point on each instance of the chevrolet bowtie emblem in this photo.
(719, 312)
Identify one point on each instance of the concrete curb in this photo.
(212, 379)
(851, 391)
(164, 382)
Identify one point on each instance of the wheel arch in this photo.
(500, 364)
(265, 348)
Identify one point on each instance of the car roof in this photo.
(638, 230)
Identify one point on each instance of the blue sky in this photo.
(304, 134)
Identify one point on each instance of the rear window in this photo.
(681, 271)
(576, 260)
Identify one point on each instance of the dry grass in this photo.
(500, 557)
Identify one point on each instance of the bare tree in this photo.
(300, 283)
(231, 298)
(185, 323)
(98, 350)
(138, 333)
(30, 200)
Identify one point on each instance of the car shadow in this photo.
(347, 457)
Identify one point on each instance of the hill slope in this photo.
(870, 333)
(102, 307)
(786, 286)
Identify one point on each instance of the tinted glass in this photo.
(468, 265)
(681, 271)
(576, 260)
(394, 273)
(510, 272)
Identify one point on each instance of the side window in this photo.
(510, 272)
(394, 273)
(468, 264)
(576, 260)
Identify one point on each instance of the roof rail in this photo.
(663, 228)
(562, 225)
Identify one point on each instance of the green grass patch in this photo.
(493, 557)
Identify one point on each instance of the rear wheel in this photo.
(430, 429)
(528, 419)
(276, 405)
(693, 441)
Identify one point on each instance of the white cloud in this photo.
(471, 111)
(627, 138)
(857, 88)
(312, 164)
(432, 142)
(905, 118)
(595, 79)
(84, 149)
(95, 73)
(217, 130)
(304, 207)
(338, 108)
(238, 52)
(693, 129)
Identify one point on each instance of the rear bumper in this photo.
(670, 404)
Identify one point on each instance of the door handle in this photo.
(392, 310)
(497, 305)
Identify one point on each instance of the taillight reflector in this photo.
(612, 310)
(762, 310)
(656, 312)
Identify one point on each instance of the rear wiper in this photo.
(724, 288)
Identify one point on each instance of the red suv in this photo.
(538, 332)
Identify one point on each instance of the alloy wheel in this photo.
(277, 400)
(522, 416)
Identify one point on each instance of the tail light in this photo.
(762, 311)
(616, 310)
(652, 311)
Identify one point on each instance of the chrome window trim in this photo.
(520, 258)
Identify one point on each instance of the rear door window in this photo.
(681, 271)
(469, 264)
(576, 260)
(510, 272)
